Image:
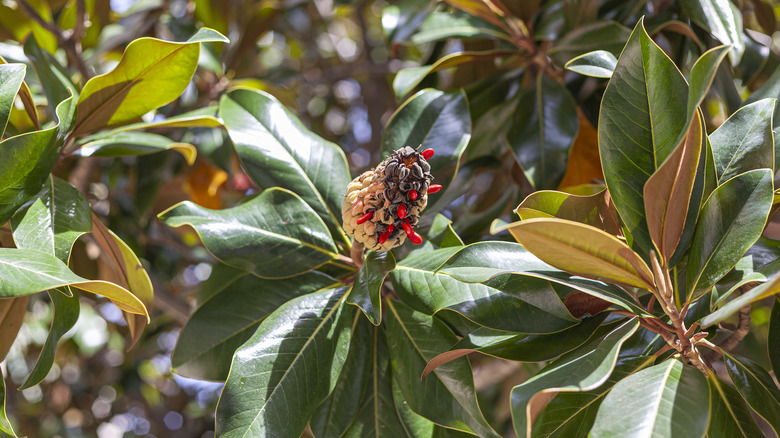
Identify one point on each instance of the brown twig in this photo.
(742, 330)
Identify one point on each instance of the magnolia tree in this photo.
(626, 200)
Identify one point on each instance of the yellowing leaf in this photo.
(668, 192)
(584, 163)
(583, 250)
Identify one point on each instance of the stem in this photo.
(742, 330)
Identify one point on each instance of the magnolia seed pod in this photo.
(382, 205)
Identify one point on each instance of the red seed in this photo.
(415, 238)
(427, 154)
(407, 228)
(434, 188)
(384, 236)
(365, 217)
(413, 195)
(401, 211)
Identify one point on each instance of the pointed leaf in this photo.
(12, 311)
(598, 64)
(130, 271)
(759, 292)
(432, 119)
(669, 399)
(744, 142)
(27, 101)
(668, 192)
(702, 74)
(408, 78)
(228, 317)
(591, 210)
(570, 413)
(25, 272)
(277, 150)
(54, 220)
(287, 368)
(756, 386)
(583, 369)
(544, 128)
(378, 415)
(127, 144)
(366, 290)
(731, 220)
(522, 348)
(447, 395)
(273, 235)
(66, 313)
(643, 116)
(583, 250)
(535, 308)
(334, 416)
(482, 261)
(597, 35)
(150, 74)
(729, 416)
(442, 234)
(11, 78)
(722, 19)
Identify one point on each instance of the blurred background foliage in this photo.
(343, 67)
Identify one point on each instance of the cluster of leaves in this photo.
(662, 248)
(48, 214)
(603, 298)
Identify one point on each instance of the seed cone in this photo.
(375, 197)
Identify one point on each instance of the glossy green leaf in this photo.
(583, 250)
(26, 272)
(532, 307)
(440, 25)
(642, 119)
(11, 78)
(287, 368)
(447, 395)
(522, 348)
(408, 78)
(58, 215)
(273, 235)
(124, 144)
(276, 149)
(774, 336)
(759, 292)
(65, 315)
(151, 73)
(731, 220)
(54, 79)
(756, 386)
(722, 19)
(378, 415)
(335, 414)
(5, 426)
(606, 35)
(570, 414)
(744, 142)
(27, 161)
(482, 261)
(702, 74)
(598, 64)
(432, 119)
(669, 400)
(729, 416)
(591, 210)
(544, 126)
(668, 192)
(367, 288)
(442, 234)
(230, 315)
(199, 118)
(583, 369)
